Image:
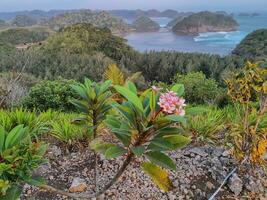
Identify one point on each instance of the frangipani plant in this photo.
(147, 125)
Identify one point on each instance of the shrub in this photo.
(51, 95)
(10, 119)
(248, 134)
(18, 157)
(198, 89)
(206, 126)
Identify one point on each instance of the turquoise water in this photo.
(215, 43)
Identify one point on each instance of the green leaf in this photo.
(161, 159)
(168, 131)
(159, 176)
(160, 144)
(152, 101)
(36, 181)
(112, 122)
(130, 96)
(114, 152)
(179, 89)
(13, 193)
(177, 118)
(104, 86)
(100, 146)
(131, 87)
(139, 150)
(15, 136)
(196, 110)
(178, 141)
(2, 138)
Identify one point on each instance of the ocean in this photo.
(221, 43)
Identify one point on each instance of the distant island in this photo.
(101, 19)
(205, 22)
(145, 24)
(245, 14)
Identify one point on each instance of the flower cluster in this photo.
(172, 104)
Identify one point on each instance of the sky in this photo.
(180, 5)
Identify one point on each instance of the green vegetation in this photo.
(254, 46)
(205, 22)
(23, 21)
(21, 35)
(99, 19)
(145, 24)
(77, 51)
(199, 89)
(19, 157)
(50, 95)
(162, 66)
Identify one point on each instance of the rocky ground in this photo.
(200, 170)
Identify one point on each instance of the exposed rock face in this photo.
(145, 24)
(205, 22)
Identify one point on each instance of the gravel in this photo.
(200, 170)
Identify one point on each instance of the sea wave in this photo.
(234, 36)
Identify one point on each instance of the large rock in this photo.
(235, 184)
(78, 185)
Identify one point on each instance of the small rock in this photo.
(42, 169)
(235, 184)
(209, 185)
(171, 196)
(226, 153)
(199, 151)
(53, 151)
(217, 152)
(78, 185)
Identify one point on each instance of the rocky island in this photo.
(205, 22)
(145, 24)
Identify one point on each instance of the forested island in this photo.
(145, 24)
(205, 22)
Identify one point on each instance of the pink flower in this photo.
(172, 104)
(155, 88)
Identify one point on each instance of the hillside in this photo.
(205, 22)
(254, 46)
(99, 19)
(145, 24)
(17, 36)
(78, 50)
(23, 20)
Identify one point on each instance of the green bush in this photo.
(199, 89)
(50, 95)
(19, 156)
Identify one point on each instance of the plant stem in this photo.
(118, 175)
(95, 154)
